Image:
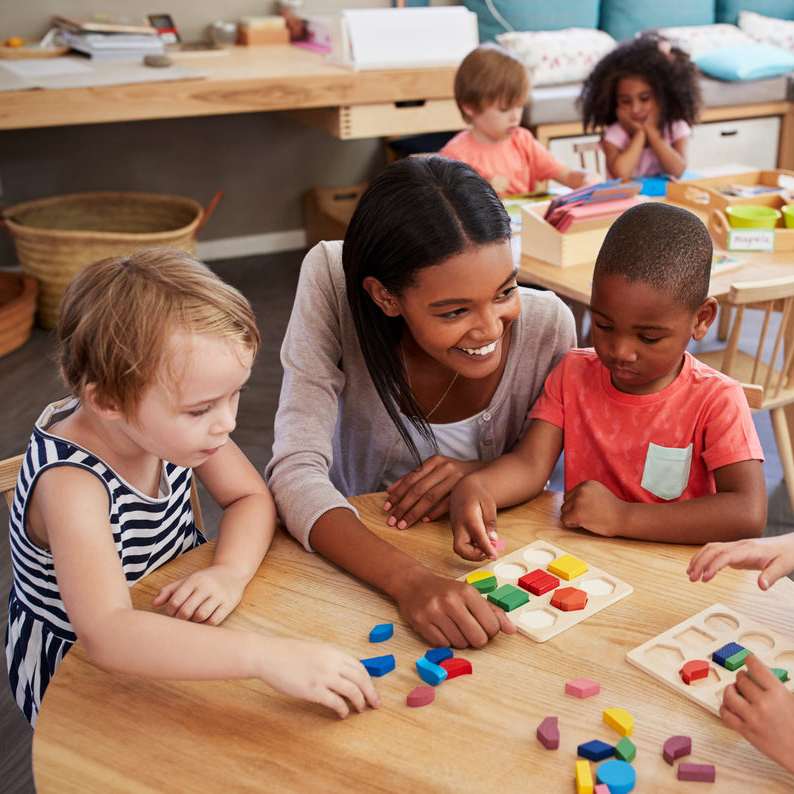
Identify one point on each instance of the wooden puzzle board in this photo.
(697, 638)
(537, 619)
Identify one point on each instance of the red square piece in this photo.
(530, 577)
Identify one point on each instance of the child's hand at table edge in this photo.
(447, 612)
(204, 596)
(592, 506)
(761, 710)
(773, 556)
(472, 515)
(318, 673)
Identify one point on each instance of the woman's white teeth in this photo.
(480, 351)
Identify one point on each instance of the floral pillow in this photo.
(553, 57)
(769, 30)
(699, 39)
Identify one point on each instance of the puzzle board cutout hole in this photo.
(721, 623)
(756, 642)
(694, 637)
(538, 619)
(598, 586)
(664, 655)
(510, 571)
(539, 557)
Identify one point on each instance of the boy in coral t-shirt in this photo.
(657, 445)
(491, 89)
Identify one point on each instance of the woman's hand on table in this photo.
(773, 556)
(449, 612)
(424, 492)
(205, 596)
(319, 673)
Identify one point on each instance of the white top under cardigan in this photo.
(333, 437)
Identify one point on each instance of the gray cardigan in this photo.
(333, 437)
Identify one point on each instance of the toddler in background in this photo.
(491, 89)
(760, 708)
(155, 350)
(643, 96)
(657, 445)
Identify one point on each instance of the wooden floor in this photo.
(29, 381)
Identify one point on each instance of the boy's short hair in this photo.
(487, 75)
(666, 247)
(118, 316)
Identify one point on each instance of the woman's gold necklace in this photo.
(408, 378)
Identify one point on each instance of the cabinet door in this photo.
(751, 142)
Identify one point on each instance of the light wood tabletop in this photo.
(242, 80)
(102, 732)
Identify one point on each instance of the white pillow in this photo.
(769, 30)
(553, 57)
(699, 39)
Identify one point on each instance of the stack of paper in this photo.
(109, 40)
(588, 206)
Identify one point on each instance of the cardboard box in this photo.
(263, 30)
(708, 194)
(327, 212)
(575, 247)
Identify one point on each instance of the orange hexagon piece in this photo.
(569, 599)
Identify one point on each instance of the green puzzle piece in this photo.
(737, 660)
(508, 597)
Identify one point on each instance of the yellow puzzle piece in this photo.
(620, 720)
(584, 778)
(476, 576)
(567, 567)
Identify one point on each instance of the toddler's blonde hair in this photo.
(119, 314)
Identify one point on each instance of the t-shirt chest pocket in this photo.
(666, 471)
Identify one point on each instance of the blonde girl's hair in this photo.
(488, 75)
(118, 316)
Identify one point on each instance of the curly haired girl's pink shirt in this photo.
(648, 164)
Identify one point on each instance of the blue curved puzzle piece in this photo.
(381, 632)
(379, 665)
(430, 673)
(436, 655)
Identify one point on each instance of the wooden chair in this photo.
(9, 471)
(767, 374)
(592, 148)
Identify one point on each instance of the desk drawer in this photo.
(384, 119)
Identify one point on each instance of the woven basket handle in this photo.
(205, 216)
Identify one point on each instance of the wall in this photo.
(263, 162)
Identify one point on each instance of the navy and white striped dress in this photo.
(148, 532)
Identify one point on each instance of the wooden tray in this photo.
(30, 50)
(720, 230)
(704, 194)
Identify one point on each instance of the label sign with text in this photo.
(751, 240)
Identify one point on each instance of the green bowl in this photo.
(788, 215)
(752, 216)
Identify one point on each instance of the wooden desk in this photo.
(246, 80)
(103, 732)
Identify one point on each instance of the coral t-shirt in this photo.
(650, 447)
(648, 164)
(511, 166)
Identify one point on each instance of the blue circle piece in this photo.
(619, 776)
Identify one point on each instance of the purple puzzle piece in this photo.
(675, 747)
(703, 773)
(549, 733)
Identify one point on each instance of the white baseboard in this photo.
(251, 244)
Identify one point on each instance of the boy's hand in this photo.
(448, 612)
(472, 514)
(205, 596)
(763, 713)
(774, 557)
(424, 492)
(593, 507)
(319, 673)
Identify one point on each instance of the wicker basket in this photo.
(17, 310)
(58, 236)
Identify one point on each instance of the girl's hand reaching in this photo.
(318, 673)
(205, 596)
(472, 514)
(424, 492)
(773, 556)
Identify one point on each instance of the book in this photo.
(100, 26)
(113, 45)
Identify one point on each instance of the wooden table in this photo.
(276, 77)
(102, 732)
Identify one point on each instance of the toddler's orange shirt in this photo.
(651, 447)
(520, 159)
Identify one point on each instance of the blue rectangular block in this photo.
(720, 655)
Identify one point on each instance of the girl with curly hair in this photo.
(644, 96)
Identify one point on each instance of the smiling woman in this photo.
(417, 317)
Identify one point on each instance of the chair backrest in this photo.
(772, 358)
(9, 471)
(592, 148)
